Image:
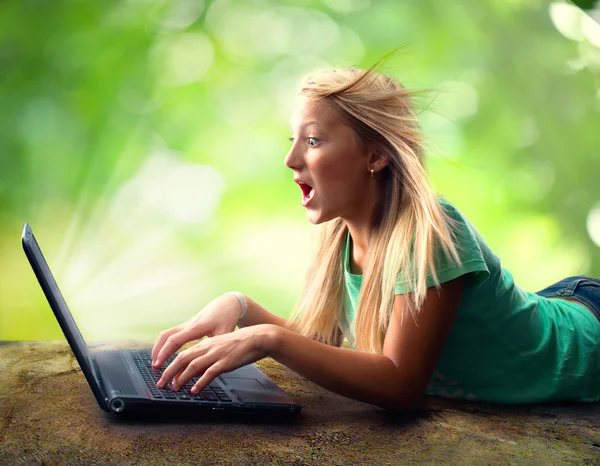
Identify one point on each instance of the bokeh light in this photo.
(144, 142)
(593, 224)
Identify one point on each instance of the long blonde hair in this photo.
(408, 225)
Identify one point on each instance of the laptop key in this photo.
(151, 376)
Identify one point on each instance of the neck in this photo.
(360, 232)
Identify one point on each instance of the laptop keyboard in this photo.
(143, 361)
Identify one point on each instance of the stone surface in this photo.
(51, 417)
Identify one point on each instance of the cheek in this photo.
(342, 187)
(334, 182)
(338, 170)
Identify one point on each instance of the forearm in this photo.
(372, 378)
(257, 315)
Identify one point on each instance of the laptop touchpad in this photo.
(248, 389)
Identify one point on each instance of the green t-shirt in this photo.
(507, 345)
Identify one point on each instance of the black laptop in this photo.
(124, 382)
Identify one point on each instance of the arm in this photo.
(218, 317)
(395, 379)
(256, 315)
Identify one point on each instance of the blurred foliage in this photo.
(144, 140)
(585, 4)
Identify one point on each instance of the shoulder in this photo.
(466, 236)
(475, 255)
(451, 210)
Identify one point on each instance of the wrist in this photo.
(270, 335)
(241, 299)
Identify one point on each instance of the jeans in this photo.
(585, 290)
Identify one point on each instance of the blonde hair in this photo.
(409, 223)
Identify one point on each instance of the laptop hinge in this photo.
(97, 377)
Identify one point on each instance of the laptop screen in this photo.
(60, 309)
(51, 289)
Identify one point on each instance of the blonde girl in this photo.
(400, 273)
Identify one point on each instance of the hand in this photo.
(214, 356)
(216, 318)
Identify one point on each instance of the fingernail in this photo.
(160, 383)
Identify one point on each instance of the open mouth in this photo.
(308, 193)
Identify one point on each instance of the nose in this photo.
(293, 159)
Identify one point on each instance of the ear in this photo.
(378, 160)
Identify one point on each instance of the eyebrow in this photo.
(308, 123)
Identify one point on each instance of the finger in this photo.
(194, 368)
(209, 375)
(176, 367)
(174, 342)
(191, 356)
(174, 386)
(160, 341)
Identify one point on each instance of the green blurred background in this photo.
(144, 141)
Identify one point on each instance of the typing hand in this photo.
(218, 317)
(214, 356)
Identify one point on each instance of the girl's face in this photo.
(329, 163)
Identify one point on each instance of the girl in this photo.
(400, 273)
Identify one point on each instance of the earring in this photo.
(372, 174)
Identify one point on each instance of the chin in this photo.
(316, 218)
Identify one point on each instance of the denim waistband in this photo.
(580, 288)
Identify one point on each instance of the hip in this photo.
(579, 289)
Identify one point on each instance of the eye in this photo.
(291, 139)
(312, 141)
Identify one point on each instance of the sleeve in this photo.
(470, 247)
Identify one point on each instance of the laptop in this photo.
(124, 383)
